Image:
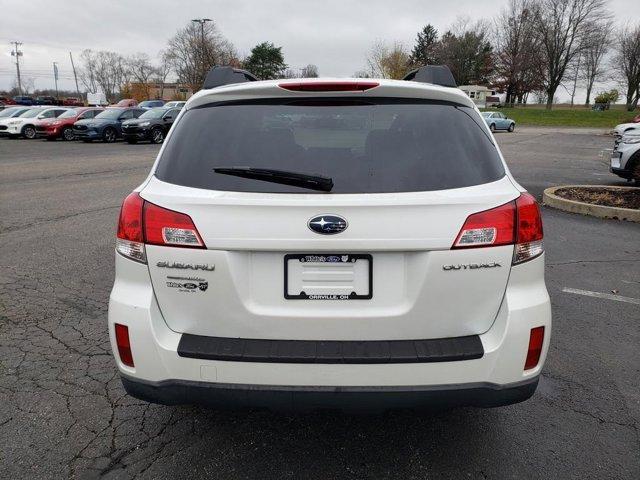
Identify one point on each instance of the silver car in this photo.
(625, 157)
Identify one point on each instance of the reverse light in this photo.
(515, 223)
(142, 222)
(328, 86)
(124, 344)
(536, 339)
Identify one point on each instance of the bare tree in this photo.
(596, 46)
(87, 70)
(563, 26)
(192, 52)
(627, 62)
(388, 61)
(310, 71)
(163, 70)
(517, 52)
(104, 70)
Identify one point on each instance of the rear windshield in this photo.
(372, 146)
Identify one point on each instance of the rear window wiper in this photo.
(313, 182)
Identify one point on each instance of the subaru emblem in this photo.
(327, 224)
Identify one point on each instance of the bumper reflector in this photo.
(124, 345)
(536, 339)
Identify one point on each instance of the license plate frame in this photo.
(350, 257)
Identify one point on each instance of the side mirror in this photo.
(167, 118)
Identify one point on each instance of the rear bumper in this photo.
(162, 375)
(288, 398)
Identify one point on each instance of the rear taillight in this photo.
(143, 223)
(124, 344)
(529, 229)
(167, 227)
(515, 223)
(130, 237)
(328, 86)
(536, 339)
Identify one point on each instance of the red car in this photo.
(72, 102)
(126, 103)
(62, 126)
(7, 101)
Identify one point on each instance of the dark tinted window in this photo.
(381, 145)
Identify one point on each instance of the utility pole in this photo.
(17, 53)
(55, 77)
(75, 76)
(202, 21)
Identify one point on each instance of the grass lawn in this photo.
(565, 117)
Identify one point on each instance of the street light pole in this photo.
(55, 77)
(202, 21)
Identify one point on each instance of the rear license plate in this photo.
(335, 276)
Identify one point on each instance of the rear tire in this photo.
(492, 127)
(157, 135)
(109, 135)
(29, 132)
(511, 128)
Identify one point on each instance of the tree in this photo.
(310, 71)
(562, 28)
(424, 51)
(466, 50)
(192, 52)
(517, 53)
(87, 71)
(141, 71)
(163, 70)
(103, 70)
(627, 62)
(593, 55)
(388, 61)
(266, 61)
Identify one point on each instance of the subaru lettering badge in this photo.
(327, 224)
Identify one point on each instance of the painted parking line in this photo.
(607, 296)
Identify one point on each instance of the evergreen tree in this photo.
(266, 61)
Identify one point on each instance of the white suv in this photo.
(330, 243)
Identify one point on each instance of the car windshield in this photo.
(69, 114)
(110, 113)
(487, 114)
(374, 146)
(32, 113)
(7, 112)
(155, 113)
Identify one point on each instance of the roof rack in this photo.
(219, 76)
(435, 74)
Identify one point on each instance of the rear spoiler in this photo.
(434, 74)
(219, 76)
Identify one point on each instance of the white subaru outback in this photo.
(330, 243)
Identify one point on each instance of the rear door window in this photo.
(373, 146)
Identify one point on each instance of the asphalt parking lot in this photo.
(63, 412)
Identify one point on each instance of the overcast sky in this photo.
(334, 35)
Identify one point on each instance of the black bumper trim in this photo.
(295, 398)
(330, 351)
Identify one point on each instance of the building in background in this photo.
(479, 94)
(152, 91)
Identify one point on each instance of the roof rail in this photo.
(220, 75)
(435, 74)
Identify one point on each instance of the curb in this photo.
(550, 199)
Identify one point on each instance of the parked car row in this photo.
(107, 124)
